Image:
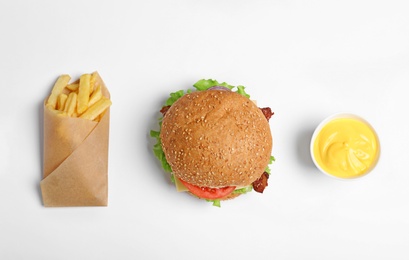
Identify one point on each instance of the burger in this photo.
(215, 141)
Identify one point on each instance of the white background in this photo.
(304, 59)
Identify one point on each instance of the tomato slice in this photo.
(208, 193)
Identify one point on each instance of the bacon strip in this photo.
(164, 110)
(267, 112)
(261, 183)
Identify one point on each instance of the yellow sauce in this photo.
(346, 148)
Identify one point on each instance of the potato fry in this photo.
(59, 85)
(83, 93)
(95, 96)
(62, 98)
(71, 104)
(97, 109)
(73, 86)
(92, 83)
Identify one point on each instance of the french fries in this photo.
(73, 86)
(95, 96)
(82, 98)
(58, 88)
(83, 93)
(71, 104)
(62, 99)
(95, 110)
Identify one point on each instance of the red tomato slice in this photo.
(208, 193)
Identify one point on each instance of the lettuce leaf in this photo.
(243, 190)
(158, 151)
(240, 90)
(268, 170)
(175, 96)
(205, 84)
(202, 85)
(216, 202)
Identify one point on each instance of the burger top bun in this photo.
(216, 138)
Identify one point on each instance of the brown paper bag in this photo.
(75, 159)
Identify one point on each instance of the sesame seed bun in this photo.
(215, 139)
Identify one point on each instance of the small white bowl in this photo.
(324, 123)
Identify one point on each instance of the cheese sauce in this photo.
(346, 148)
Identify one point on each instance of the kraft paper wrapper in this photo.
(75, 159)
